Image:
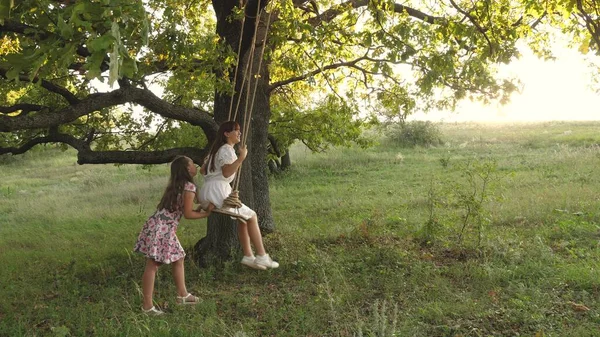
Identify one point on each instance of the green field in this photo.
(494, 233)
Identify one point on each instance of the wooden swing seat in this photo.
(230, 213)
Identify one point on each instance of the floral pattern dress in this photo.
(158, 239)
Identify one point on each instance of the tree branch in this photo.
(275, 85)
(368, 72)
(69, 96)
(85, 155)
(95, 102)
(158, 132)
(350, 64)
(591, 26)
(539, 20)
(325, 77)
(26, 30)
(24, 107)
(140, 157)
(333, 12)
(25, 147)
(475, 23)
(274, 144)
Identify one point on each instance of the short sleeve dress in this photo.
(216, 187)
(158, 239)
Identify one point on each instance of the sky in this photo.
(551, 90)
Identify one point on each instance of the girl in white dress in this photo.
(219, 171)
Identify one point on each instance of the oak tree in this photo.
(84, 73)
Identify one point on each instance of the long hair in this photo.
(171, 199)
(220, 140)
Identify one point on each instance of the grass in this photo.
(349, 239)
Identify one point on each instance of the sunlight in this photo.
(551, 90)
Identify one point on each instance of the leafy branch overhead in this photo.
(80, 73)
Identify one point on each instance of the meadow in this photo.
(494, 232)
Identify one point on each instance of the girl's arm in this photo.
(188, 207)
(230, 169)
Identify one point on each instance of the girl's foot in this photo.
(153, 311)
(188, 299)
(250, 261)
(266, 261)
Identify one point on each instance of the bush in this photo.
(415, 133)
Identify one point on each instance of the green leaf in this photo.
(75, 20)
(128, 68)
(145, 31)
(4, 12)
(65, 29)
(584, 47)
(13, 74)
(93, 64)
(115, 61)
(102, 43)
(67, 55)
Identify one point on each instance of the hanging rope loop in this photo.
(233, 200)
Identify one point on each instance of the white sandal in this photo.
(153, 311)
(188, 299)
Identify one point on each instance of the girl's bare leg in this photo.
(255, 236)
(179, 277)
(244, 238)
(148, 282)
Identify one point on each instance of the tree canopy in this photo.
(330, 64)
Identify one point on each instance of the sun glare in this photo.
(551, 90)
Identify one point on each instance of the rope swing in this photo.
(233, 201)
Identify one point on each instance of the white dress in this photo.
(216, 187)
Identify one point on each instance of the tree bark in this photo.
(273, 166)
(220, 242)
(260, 142)
(286, 161)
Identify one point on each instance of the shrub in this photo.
(415, 133)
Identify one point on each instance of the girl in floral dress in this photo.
(158, 241)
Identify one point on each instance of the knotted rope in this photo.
(233, 200)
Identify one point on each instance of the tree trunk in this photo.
(286, 161)
(274, 166)
(220, 242)
(221, 236)
(260, 142)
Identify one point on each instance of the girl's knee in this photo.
(152, 265)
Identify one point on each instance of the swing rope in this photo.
(248, 69)
(233, 201)
(249, 110)
(237, 66)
